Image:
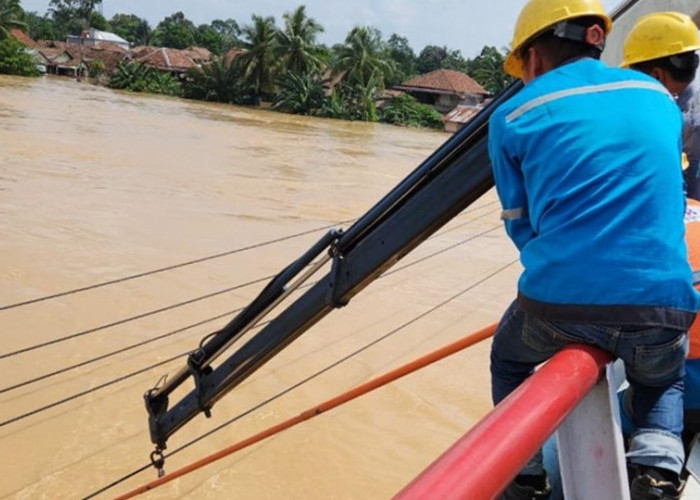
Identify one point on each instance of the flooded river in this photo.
(98, 185)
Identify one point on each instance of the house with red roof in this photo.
(168, 60)
(444, 89)
(23, 38)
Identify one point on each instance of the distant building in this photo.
(93, 37)
(198, 54)
(62, 61)
(444, 89)
(23, 38)
(460, 115)
(168, 60)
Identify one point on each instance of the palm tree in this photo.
(362, 58)
(259, 62)
(216, 81)
(10, 17)
(296, 44)
(487, 69)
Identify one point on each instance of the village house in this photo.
(461, 115)
(60, 59)
(93, 37)
(173, 61)
(444, 89)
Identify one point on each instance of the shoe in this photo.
(651, 483)
(527, 488)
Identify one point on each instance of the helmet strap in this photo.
(687, 61)
(592, 35)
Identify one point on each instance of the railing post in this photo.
(482, 463)
(591, 449)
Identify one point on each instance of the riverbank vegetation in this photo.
(284, 65)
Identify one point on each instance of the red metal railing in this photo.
(482, 463)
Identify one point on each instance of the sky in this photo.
(465, 25)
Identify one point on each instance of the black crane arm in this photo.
(453, 177)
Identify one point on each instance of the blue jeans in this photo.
(654, 359)
(692, 180)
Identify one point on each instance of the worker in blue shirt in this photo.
(664, 45)
(583, 161)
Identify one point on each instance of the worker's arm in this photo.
(510, 185)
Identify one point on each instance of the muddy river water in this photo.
(98, 185)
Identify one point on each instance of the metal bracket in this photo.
(338, 274)
(199, 374)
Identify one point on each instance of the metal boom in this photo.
(447, 182)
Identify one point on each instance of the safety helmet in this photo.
(538, 15)
(660, 34)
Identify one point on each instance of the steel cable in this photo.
(307, 379)
(184, 264)
(163, 269)
(132, 318)
(180, 330)
(138, 372)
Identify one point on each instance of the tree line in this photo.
(282, 64)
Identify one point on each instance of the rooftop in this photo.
(444, 80)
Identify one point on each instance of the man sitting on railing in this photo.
(581, 161)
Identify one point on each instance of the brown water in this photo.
(97, 185)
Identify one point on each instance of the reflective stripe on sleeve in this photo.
(514, 213)
(589, 89)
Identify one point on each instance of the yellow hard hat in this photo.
(660, 34)
(538, 15)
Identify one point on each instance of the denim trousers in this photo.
(654, 359)
(691, 175)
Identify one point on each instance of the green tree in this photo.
(206, 36)
(296, 43)
(176, 32)
(138, 77)
(96, 68)
(98, 21)
(362, 58)
(76, 8)
(39, 27)
(14, 59)
(259, 62)
(404, 58)
(132, 28)
(11, 15)
(407, 111)
(487, 70)
(71, 16)
(431, 58)
(300, 93)
(229, 31)
(217, 81)
(455, 60)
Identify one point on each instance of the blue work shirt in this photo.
(585, 159)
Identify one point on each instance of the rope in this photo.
(328, 405)
(304, 381)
